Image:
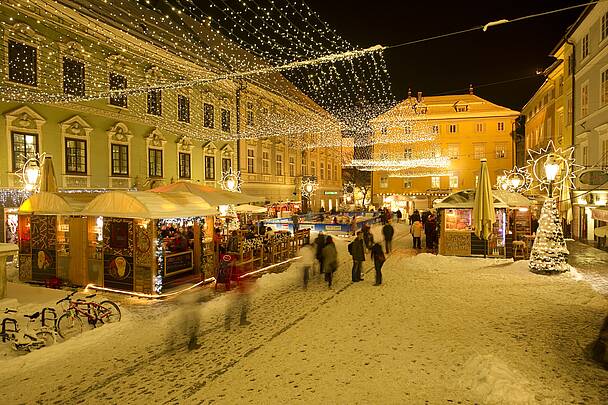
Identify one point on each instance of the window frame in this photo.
(183, 102)
(67, 156)
(224, 168)
(225, 120)
(209, 174)
(154, 102)
(585, 46)
(292, 166)
(500, 150)
(63, 75)
(157, 152)
(114, 173)
(251, 160)
(27, 156)
(112, 98)
(500, 126)
(266, 162)
(584, 112)
(454, 126)
(279, 165)
(208, 107)
(435, 182)
(36, 69)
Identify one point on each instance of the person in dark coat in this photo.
(414, 217)
(329, 256)
(319, 245)
(379, 259)
(357, 251)
(368, 238)
(429, 231)
(295, 220)
(388, 231)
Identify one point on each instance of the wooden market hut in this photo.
(130, 240)
(52, 237)
(456, 234)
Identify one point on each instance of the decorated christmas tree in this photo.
(549, 252)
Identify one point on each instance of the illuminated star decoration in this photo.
(348, 191)
(308, 187)
(516, 180)
(31, 171)
(231, 181)
(563, 157)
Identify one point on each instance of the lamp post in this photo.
(31, 174)
(551, 170)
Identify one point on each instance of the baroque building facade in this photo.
(54, 72)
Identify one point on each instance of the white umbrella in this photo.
(483, 210)
(249, 209)
(565, 203)
(48, 182)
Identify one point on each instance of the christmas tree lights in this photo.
(549, 252)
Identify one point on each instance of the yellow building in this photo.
(460, 129)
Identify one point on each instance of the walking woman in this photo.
(330, 259)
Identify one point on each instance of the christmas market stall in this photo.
(146, 242)
(456, 233)
(52, 238)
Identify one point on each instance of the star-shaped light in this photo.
(516, 180)
(231, 181)
(564, 158)
(308, 187)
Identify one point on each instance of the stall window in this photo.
(209, 168)
(22, 63)
(120, 160)
(407, 184)
(225, 120)
(407, 153)
(75, 156)
(24, 146)
(226, 165)
(183, 108)
(184, 166)
(118, 82)
(208, 116)
(73, 77)
(155, 102)
(458, 219)
(155, 162)
(279, 165)
(250, 160)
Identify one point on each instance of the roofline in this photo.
(573, 27)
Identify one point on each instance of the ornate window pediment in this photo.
(119, 133)
(23, 32)
(24, 118)
(73, 49)
(76, 126)
(156, 139)
(227, 151)
(154, 75)
(118, 63)
(184, 144)
(209, 148)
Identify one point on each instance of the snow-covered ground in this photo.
(439, 330)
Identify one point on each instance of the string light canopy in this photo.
(560, 161)
(231, 181)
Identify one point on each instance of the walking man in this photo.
(295, 220)
(319, 245)
(357, 251)
(388, 231)
(379, 259)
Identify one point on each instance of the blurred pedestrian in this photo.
(307, 260)
(379, 259)
(416, 232)
(330, 260)
(357, 251)
(319, 245)
(295, 220)
(388, 232)
(429, 231)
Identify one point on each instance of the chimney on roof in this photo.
(419, 98)
(471, 89)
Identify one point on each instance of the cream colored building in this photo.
(465, 128)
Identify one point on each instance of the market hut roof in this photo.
(213, 196)
(143, 204)
(466, 199)
(45, 203)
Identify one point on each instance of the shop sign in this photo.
(178, 262)
(333, 227)
(331, 193)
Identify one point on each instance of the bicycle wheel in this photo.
(108, 312)
(46, 337)
(69, 326)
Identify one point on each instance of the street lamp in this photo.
(515, 182)
(551, 170)
(31, 174)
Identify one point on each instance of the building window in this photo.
(560, 86)
(453, 181)
(435, 182)
(604, 32)
(584, 99)
(585, 154)
(183, 108)
(501, 126)
(279, 165)
(452, 128)
(265, 162)
(225, 120)
(383, 181)
(569, 117)
(22, 63)
(435, 129)
(329, 171)
(73, 77)
(313, 168)
(118, 82)
(501, 152)
(479, 127)
(335, 172)
(453, 151)
(155, 102)
(155, 163)
(226, 165)
(184, 165)
(208, 115)
(407, 184)
(25, 146)
(585, 47)
(250, 160)
(292, 166)
(209, 168)
(479, 150)
(604, 88)
(605, 153)
(75, 156)
(120, 160)
(569, 65)
(461, 108)
(250, 114)
(407, 153)
(304, 165)
(322, 170)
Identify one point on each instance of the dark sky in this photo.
(448, 65)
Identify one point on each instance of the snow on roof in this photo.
(45, 203)
(466, 199)
(213, 196)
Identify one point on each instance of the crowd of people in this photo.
(426, 224)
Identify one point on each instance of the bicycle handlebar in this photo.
(67, 297)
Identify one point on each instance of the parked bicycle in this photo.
(70, 323)
(30, 338)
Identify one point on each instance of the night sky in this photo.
(447, 66)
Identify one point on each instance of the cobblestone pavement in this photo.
(591, 264)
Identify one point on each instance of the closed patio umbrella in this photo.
(483, 209)
(565, 204)
(48, 182)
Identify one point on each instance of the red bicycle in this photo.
(70, 323)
